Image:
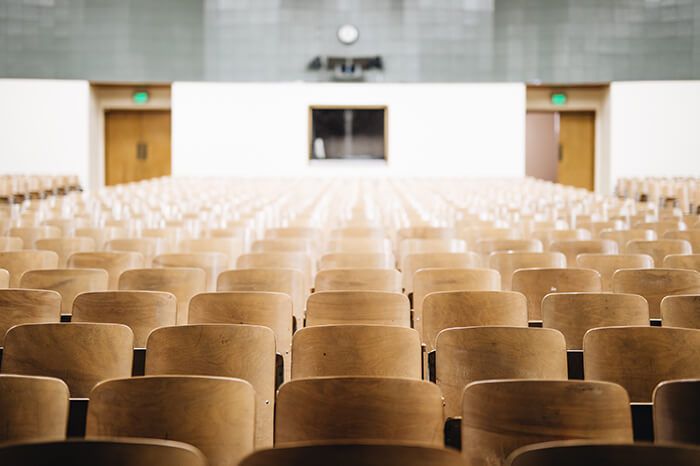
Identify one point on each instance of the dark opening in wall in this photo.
(347, 133)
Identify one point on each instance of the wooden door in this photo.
(137, 145)
(576, 149)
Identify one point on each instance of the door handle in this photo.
(141, 151)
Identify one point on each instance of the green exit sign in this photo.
(558, 98)
(140, 97)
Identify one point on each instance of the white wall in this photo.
(450, 129)
(655, 128)
(44, 127)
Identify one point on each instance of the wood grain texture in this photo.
(622, 237)
(659, 249)
(141, 311)
(454, 260)
(18, 262)
(352, 408)
(682, 261)
(502, 415)
(212, 263)
(572, 453)
(681, 311)
(114, 262)
(677, 412)
(104, 451)
(64, 247)
(607, 264)
(357, 260)
(465, 355)
(214, 414)
(358, 280)
(300, 261)
(508, 262)
(358, 307)
(183, 282)
(535, 284)
(572, 248)
(18, 306)
(30, 234)
(692, 236)
(231, 247)
(356, 350)
(353, 454)
(288, 281)
(487, 246)
(79, 354)
(32, 408)
(639, 358)
(446, 309)
(655, 284)
(69, 283)
(573, 314)
(225, 350)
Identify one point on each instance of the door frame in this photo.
(588, 98)
(116, 96)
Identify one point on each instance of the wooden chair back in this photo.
(456, 260)
(677, 411)
(467, 354)
(80, 354)
(231, 247)
(691, 236)
(500, 416)
(18, 262)
(573, 314)
(357, 260)
(69, 283)
(359, 245)
(656, 284)
(639, 358)
(428, 246)
(508, 262)
(659, 249)
(607, 264)
(147, 247)
(30, 234)
(224, 350)
(214, 414)
(300, 261)
(358, 280)
(682, 261)
(681, 311)
(11, 243)
(572, 248)
(19, 306)
(114, 262)
(358, 307)
(212, 263)
(622, 237)
(101, 234)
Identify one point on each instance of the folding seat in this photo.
(359, 260)
(607, 264)
(304, 245)
(639, 358)
(359, 245)
(486, 247)
(573, 314)
(18, 306)
(231, 247)
(269, 309)
(311, 233)
(33, 408)
(547, 237)
(101, 234)
(622, 237)
(288, 281)
(358, 307)
(212, 263)
(424, 232)
(426, 281)
(586, 453)
(655, 284)
(69, 283)
(448, 309)
(147, 247)
(18, 262)
(183, 282)
(224, 350)
(468, 354)
(104, 451)
(11, 243)
(691, 236)
(356, 350)
(141, 311)
(682, 261)
(661, 227)
(596, 227)
(499, 416)
(681, 311)
(414, 262)
(300, 261)
(30, 234)
(659, 249)
(64, 247)
(80, 354)
(428, 246)
(214, 414)
(376, 409)
(535, 284)
(508, 262)
(354, 454)
(472, 235)
(113, 262)
(677, 411)
(572, 248)
(358, 280)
